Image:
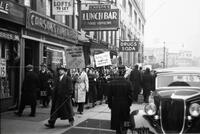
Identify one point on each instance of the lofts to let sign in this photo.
(100, 17)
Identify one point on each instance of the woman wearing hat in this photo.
(81, 88)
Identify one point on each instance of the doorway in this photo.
(32, 54)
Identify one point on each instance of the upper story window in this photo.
(130, 9)
(135, 15)
(48, 8)
(142, 29)
(139, 24)
(31, 4)
(124, 4)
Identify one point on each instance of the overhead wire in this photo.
(157, 9)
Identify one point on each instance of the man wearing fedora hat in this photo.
(30, 88)
(61, 99)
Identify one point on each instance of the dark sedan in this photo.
(175, 105)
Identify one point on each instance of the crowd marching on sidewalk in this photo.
(81, 87)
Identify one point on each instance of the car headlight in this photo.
(194, 109)
(150, 109)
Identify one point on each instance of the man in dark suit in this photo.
(61, 100)
(120, 95)
(30, 88)
(135, 78)
(147, 84)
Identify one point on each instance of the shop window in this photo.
(135, 15)
(45, 54)
(53, 57)
(95, 34)
(9, 61)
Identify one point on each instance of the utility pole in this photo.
(164, 51)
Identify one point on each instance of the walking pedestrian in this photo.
(101, 86)
(81, 88)
(30, 87)
(120, 97)
(147, 84)
(45, 90)
(61, 99)
(135, 78)
(92, 94)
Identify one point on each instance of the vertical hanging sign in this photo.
(62, 7)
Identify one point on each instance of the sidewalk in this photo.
(11, 124)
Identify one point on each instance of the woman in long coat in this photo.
(81, 88)
(61, 100)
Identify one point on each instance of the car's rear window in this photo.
(170, 80)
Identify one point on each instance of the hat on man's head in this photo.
(61, 67)
(121, 67)
(29, 67)
(43, 64)
(121, 70)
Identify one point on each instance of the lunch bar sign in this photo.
(100, 17)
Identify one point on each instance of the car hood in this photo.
(178, 92)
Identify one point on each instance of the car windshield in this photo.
(192, 80)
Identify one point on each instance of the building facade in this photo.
(131, 26)
(30, 33)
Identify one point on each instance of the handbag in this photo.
(43, 93)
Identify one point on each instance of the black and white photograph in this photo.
(100, 66)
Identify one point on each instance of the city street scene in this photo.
(100, 66)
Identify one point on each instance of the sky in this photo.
(175, 22)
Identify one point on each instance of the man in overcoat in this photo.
(147, 84)
(135, 78)
(61, 100)
(120, 97)
(30, 87)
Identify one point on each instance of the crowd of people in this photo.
(119, 87)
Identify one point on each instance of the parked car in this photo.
(174, 106)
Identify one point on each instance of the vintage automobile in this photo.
(174, 106)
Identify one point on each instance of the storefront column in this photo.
(22, 64)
